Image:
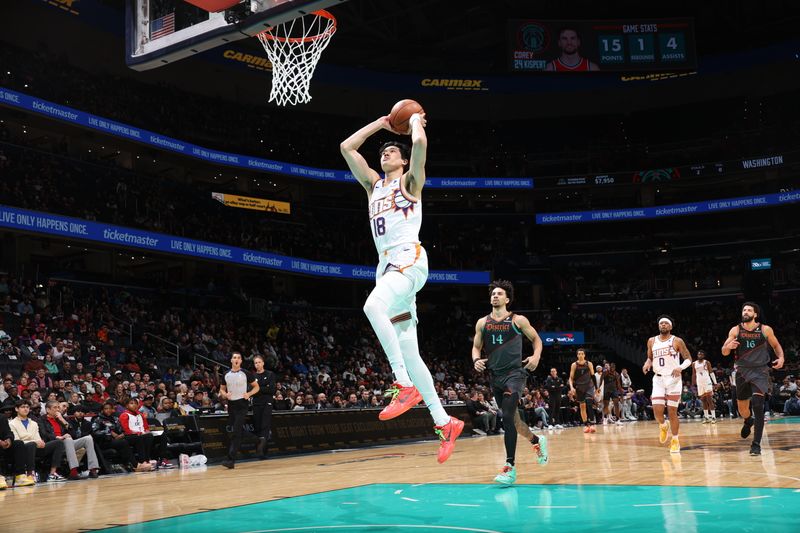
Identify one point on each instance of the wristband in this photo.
(411, 120)
(685, 364)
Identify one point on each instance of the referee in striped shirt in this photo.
(235, 390)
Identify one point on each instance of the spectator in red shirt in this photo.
(137, 433)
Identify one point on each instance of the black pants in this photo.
(123, 449)
(237, 411)
(143, 444)
(262, 419)
(18, 453)
(53, 449)
(555, 408)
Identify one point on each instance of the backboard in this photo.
(159, 32)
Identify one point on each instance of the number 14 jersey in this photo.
(502, 342)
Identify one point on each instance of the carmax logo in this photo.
(566, 338)
(256, 62)
(454, 84)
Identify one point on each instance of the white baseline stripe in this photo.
(409, 499)
(699, 512)
(361, 527)
(552, 507)
(658, 504)
(750, 498)
(462, 504)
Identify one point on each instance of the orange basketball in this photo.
(401, 113)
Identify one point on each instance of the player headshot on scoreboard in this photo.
(570, 60)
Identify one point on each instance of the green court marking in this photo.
(443, 508)
(785, 420)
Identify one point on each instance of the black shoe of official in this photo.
(262, 444)
(228, 464)
(755, 449)
(747, 426)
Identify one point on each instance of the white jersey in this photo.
(701, 371)
(395, 215)
(665, 357)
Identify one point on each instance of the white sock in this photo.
(705, 413)
(420, 374)
(393, 286)
(713, 413)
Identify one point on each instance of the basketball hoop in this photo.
(294, 48)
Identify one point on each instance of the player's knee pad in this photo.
(589, 403)
(672, 403)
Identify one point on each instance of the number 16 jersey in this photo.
(395, 215)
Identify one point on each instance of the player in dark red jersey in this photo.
(570, 59)
(749, 340)
(499, 335)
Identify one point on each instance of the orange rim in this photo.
(267, 34)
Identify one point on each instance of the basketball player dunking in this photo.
(662, 357)
(581, 384)
(704, 379)
(499, 334)
(749, 339)
(395, 212)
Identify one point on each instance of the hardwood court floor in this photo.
(600, 474)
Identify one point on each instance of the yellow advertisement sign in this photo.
(247, 202)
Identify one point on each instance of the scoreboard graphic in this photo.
(601, 45)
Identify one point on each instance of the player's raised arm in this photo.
(731, 343)
(477, 346)
(419, 153)
(355, 161)
(776, 346)
(530, 332)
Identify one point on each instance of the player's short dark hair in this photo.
(581, 349)
(405, 150)
(505, 285)
(755, 306)
(569, 28)
(701, 352)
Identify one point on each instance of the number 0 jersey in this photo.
(665, 356)
(395, 215)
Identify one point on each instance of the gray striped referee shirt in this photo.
(236, 382)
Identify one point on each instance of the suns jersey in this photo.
(395, 216)
(665, 357)
(702, 371)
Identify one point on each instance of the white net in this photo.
(294, 48)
